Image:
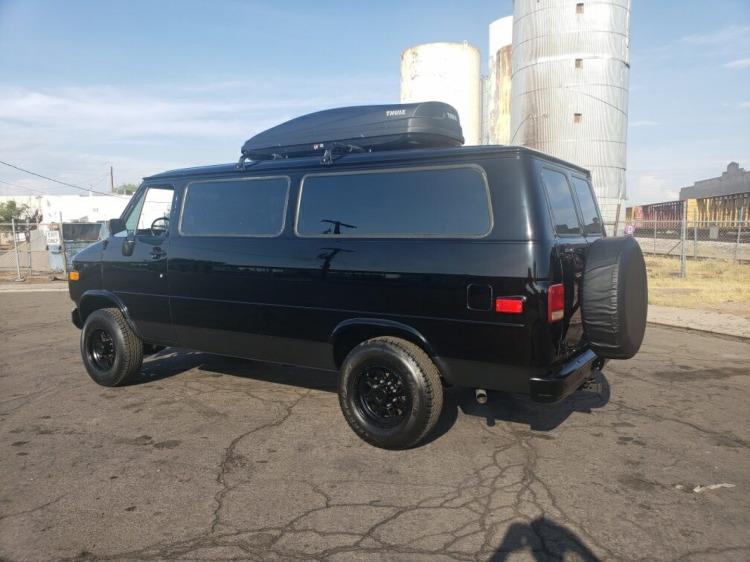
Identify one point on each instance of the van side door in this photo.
(226, 264)
(134, 263)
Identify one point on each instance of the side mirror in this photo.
(128, 245)
(115, 226)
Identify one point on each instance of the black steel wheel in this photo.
(112, 353)
(101, 350)
(383, 396)
(390, 392)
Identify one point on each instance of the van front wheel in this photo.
(112, 353)
(390, 392)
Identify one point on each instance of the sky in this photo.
(146, 86)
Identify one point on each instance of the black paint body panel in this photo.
(290, 299)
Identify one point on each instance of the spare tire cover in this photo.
(614, 299)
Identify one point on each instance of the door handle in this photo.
(158, 253)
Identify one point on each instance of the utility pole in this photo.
(62, 247)
(739, 233)
(683, 233)
(15, 244)
(112, 178)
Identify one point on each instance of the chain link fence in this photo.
(686, 241)
(29, 249)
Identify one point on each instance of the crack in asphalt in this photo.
(228, 458)
(507, 500)
(480, 489)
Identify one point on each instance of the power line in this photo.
(24, 187)
(56, 181)
(99, 179)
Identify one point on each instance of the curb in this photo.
(680, 327)
(32, 288)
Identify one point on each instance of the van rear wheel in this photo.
(112, 353)
(390, 392)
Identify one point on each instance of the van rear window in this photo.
(592, 224)
(246, 207)
(438, 202)
(562, 203)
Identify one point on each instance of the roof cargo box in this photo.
(358, 129)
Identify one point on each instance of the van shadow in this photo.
(172, 361)
(503, 407)
(518, 408)
(545, 539)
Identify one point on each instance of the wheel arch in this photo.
(349, 333)
(96, 299)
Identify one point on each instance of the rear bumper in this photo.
(75, 317)
(566, 381)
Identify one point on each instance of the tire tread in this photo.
(132, 355)
(433, 386)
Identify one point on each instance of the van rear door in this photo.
(568, 260)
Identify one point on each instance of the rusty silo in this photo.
(499, 81)
(447, 72)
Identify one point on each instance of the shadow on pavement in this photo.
(500, 406)
(519, 408)
(546, 539)
(170, 362)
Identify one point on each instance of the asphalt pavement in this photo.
(210, 458)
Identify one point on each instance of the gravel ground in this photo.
(216, 459)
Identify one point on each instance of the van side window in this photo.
(561, 201)
(439, 202)
(246, 207)
(154, 204)
(592, 224)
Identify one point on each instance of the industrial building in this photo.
(734, 180)
(557, 82)
(73, 208)
(724, 199)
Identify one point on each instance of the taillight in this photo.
(509, 305)
(555, 302)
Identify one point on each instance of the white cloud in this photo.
(739, 63)
(745, 105)
(651, 188)
(76, 133)
(725, 35)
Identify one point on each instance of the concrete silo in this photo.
(499, 82)
(447, 72)
(570, 87)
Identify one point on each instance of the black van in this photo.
(384, 250)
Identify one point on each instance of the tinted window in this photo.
(591, 222)
(249, 207)
(435, 202)
(561, 201)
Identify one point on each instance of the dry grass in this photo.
(713, 284)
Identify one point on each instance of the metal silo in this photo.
(570, 87)
(499, 81)
(447, 72)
